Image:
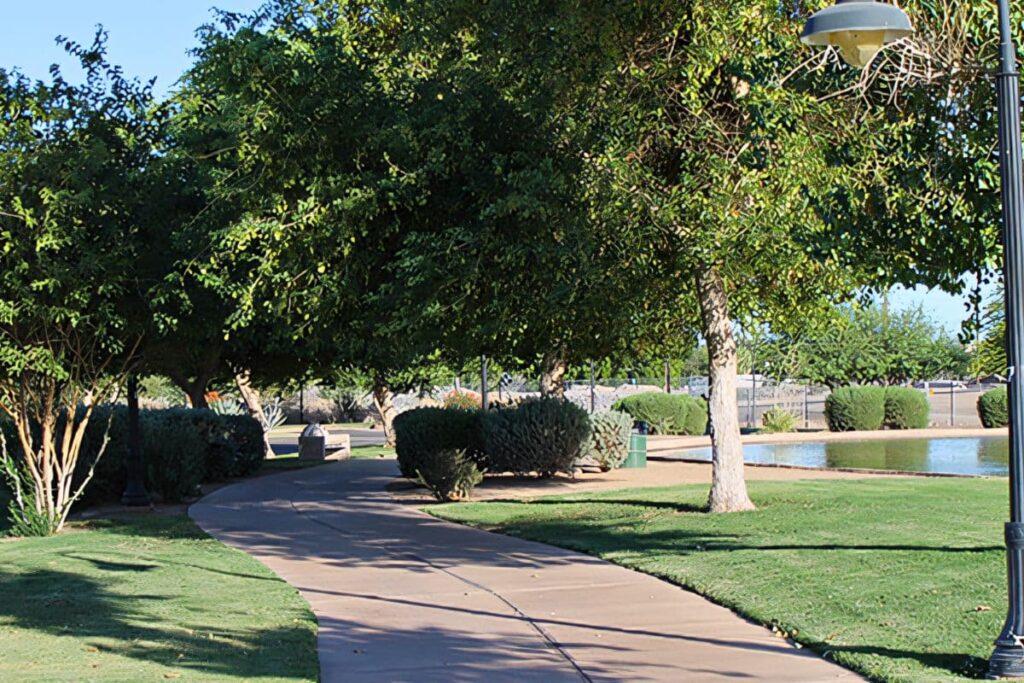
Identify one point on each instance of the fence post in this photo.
(668, 377)
(807, 409)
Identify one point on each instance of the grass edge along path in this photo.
(147, 598)
(898, 579)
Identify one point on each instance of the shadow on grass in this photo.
(58, 603)
(959, 664)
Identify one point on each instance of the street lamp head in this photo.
(859, 28)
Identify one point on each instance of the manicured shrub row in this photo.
(993, 408)
(667, 413)
(866, 408)
(539, 437)
(183, 448)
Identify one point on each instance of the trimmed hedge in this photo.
(182, 447)
(993, 408)
(855, 409)
(540, 436)
(608, 444)
(421, 434)
(906, 408)
(667, 413)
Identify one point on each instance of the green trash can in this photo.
(637, 458)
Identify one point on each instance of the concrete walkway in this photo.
(401, 596)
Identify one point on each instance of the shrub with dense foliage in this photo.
(993, 409)
(463, 400)
(541, 436)
(183, 447)
(667, 413)
(608, 444)
(449, 474)
(778, 420)
(906, 408)
(855, 409)
(424, 432)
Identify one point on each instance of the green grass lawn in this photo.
(900, 579)
(147, 599)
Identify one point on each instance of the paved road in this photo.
(401, 596)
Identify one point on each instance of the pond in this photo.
(985, 455)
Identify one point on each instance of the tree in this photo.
(73, 162)
(716, 143)
(872, 345)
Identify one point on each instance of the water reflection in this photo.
(971, 455)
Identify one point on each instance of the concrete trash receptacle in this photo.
(313, 443)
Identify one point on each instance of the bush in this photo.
(449, 474)
(666, 413)
(175, 456)
(541, 436)
(855, 409)
(462, 400)
(225, 446)
(246, 434)
(778, 421)
(993, 409)
(608, 444)
(906, 408)
(421, 433)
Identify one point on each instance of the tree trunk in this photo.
(251, 397)
(728, 486)
(382, 401)
(552, 381)
(195, 390)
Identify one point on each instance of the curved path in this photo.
(401, 596)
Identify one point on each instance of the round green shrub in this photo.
(666, 413)
(906, 408)
(855, 409)
(608, 444)
(540, 436)
(993, 408)
(423, 432)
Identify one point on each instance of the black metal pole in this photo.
(484, 402)
(135, 494)
(1008, 658)
(668, 376)
(302, 404)
(593, 389)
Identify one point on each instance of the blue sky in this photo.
(151, 38)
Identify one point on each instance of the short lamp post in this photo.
(859, 29)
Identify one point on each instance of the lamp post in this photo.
(860, 29)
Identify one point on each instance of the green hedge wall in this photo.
(183, 447)
(423, 433)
